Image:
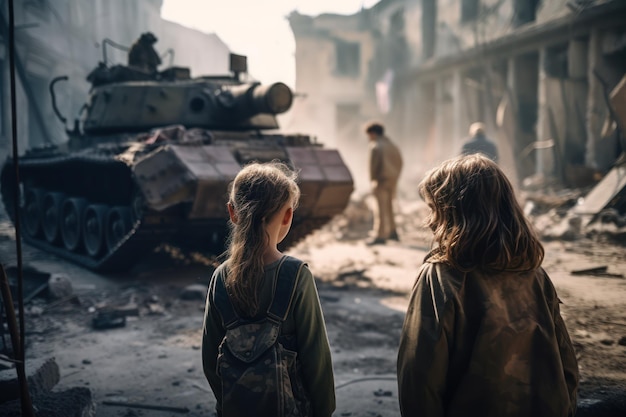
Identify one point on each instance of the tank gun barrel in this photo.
(250, 99)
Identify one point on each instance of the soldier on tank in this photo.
(142, 55)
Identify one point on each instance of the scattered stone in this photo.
(622, 341)
(60, 286)
(42, 376)
(108, 319)
(176, 383)
(35, 311)
(382, 393)
(155, 309)
(599, 271)
(582, 333)
(72, 402)
(86, 362)
(130, 309)
(568, 229)
(607, 342)
(4, 365)
(194, 292)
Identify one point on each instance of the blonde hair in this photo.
(476, 219)
(257, 194)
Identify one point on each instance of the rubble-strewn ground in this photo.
(155, 358)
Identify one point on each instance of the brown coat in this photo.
(491, 345)
(385, 160)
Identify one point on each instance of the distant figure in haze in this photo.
(142, 55)
(385, 166)
(478, 143)
(483, 334)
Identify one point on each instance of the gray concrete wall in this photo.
(64, 37)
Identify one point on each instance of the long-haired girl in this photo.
(262, 201)
(483, 334)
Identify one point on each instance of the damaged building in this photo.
(540, 74)
(69, 37)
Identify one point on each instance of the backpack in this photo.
(260, 375)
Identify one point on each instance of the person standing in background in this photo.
(479, 143)
(385, 166)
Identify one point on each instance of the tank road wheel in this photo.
(118, 224)
(31, 211)
(72, 212)
(51, 213)
(93, 228)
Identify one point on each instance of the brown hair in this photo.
(257, 194)
(376, 128)
(477, 222)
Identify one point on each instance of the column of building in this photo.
(440, 120)
(595, 106)
(544, 162)
(458, 109)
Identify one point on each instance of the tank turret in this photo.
(201, 103)
(150, 159)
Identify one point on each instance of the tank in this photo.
(150, 160)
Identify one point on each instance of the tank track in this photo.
(139, 239)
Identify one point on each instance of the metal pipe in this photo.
(16, 341)
(27, 407)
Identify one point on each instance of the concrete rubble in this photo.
(43, 375)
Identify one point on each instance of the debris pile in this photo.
(356, 222)
(563, 215)
(43, 375)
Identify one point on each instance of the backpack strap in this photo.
(287, 276)
(223, 303)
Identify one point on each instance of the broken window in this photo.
(555, 63)
(347, 58)
(397, 23)
(469, 10)
(524, 11)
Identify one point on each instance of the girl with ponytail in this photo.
(262, 201)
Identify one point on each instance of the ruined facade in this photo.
(345, 66)
(70, 37)
(536, 72)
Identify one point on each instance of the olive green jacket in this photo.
(304, 320)
(485, 345)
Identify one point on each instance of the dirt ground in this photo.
(155, 358)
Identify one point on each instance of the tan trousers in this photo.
(384, 221)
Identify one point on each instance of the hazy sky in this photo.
(256, 28)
